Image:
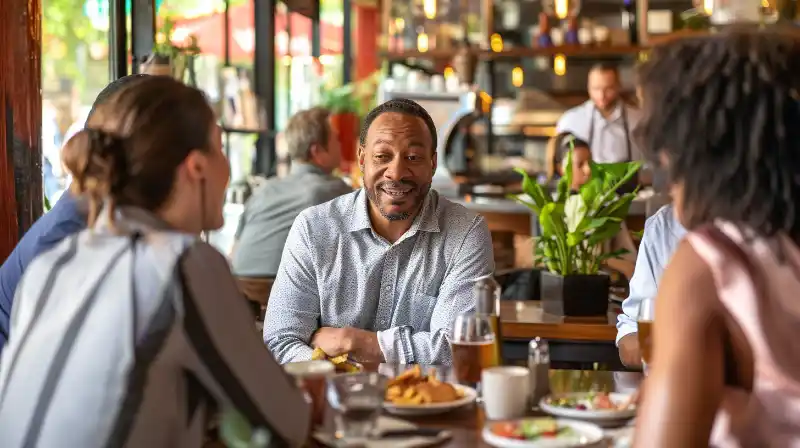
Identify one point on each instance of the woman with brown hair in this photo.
(125, 334)
(721, 114)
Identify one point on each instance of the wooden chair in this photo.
(256, 290)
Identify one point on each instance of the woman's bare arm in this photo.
(685, 385)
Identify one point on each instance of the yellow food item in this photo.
(412, 387)
(342, 363)
(341, 359)
(318, 355)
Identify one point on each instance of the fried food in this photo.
(318, 355)
(341, 362)
(412, 387)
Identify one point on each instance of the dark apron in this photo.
(631, 184)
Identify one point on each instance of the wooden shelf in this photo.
(568, 51)
(522, 52)
(414, 54)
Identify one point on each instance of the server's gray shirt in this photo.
(270, 212)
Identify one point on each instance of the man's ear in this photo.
(315, 151)
(360, 155)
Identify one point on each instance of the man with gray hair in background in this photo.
(268, 215)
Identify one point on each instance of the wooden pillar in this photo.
(20, 120)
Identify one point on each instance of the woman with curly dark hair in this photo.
(721, 114)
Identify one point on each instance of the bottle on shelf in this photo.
(630, 22)
(486, 292)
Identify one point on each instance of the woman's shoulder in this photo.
(202, 258)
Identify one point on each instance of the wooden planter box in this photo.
(575, 295)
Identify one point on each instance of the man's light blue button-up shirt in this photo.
(662, 233)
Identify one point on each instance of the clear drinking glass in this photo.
(644, 322)
(473, 345)
(357, 400)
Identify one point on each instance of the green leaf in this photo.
(552, 221)
(604, 233)
(618, 208)
(591, 191)
(562, 190)
(574, 211)
(533, 191)
(575, 238)
(591, 225)
(613, 254)
(568, 168)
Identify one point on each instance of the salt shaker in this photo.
(486, 293)
(539, 366)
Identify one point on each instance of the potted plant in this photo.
(575, 225)
(169, 59)
(346, 104)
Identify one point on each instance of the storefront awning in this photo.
(209, 31)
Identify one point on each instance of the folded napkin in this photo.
(384, 424)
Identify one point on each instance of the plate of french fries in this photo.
(416, 393)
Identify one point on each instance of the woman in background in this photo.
(721, 114)
(128, 333)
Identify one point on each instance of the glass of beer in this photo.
(311, 378)
(644, 323)
(473, 346)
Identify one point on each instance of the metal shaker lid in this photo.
(538, 344)
(486, 290)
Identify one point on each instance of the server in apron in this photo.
(604, 121)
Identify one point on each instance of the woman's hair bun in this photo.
(97, 161)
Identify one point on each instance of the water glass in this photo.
(473, 346)
(644, 323)
(357, 400)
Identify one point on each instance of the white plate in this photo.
(582, 434)
(469, 396)
(589, 414)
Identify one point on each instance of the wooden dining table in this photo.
(574, 341)
(466, 424)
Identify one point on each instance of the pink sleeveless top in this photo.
(767, 308)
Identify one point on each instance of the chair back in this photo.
(257, 290)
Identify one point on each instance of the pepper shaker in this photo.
(539, 366)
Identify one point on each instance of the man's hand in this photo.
(333, 341)
(361, 345)
(629, 351)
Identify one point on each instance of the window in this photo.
(74, 70)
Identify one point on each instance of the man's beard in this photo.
(416, 195)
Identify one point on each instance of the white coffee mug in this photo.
(505, 392)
